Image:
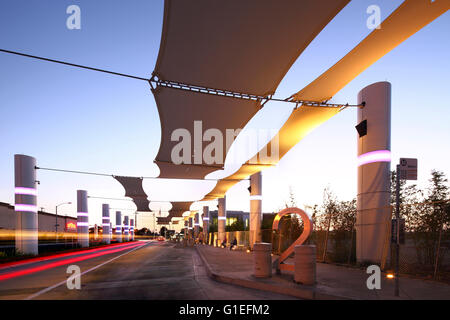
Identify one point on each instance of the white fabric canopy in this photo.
(178, 109)
(240, 46)
(133, 189)
(399, 26)
(178, 208)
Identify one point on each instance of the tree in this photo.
(162, 231)
(410, 195)
(291, 201)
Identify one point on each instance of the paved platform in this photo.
(333, 282)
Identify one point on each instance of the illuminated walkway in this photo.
(333, 282)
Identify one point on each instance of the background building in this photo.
(46, 220)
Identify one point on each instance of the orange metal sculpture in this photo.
(307, 228)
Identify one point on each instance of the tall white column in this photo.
(126, 228)
(26, 235)
(373, 214)
(82, 218)
(255, 208)
(106, 224)
(221, 218)
(118, 226)
(132, 229)
(196, 224)
(191, 223)
(186, 227)
(205, 219)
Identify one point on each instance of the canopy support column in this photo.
(255, 208)
(132, 229)
(373, 216)
(26, 237)
(126, 228)
(221, 218)
(105, 223)
(82, 218)
(196, 224)
(118, 226)
(205, 219)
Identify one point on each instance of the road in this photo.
(138, 270)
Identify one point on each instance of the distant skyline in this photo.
(83, 120)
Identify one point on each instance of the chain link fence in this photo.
(424, 254)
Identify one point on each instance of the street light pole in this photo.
(56, 219)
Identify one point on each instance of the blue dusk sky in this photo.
(83, 120)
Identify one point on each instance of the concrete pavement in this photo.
(155, 270)
(333, 282)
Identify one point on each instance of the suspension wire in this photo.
(112, 175)
(73, 65)
(195, 88)
(106, 198)
(125, 199)
(74, 171)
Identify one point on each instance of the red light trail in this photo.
(90, 255)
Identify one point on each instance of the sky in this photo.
(77, 119)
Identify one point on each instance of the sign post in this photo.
(406, 170)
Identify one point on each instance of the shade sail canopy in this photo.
(242, 46)
(133, 189)
(179, 110)
(238, 46)
(178, 208)
(301, 122)
(407, 19)
(163, 220)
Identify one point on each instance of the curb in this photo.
(300, 292)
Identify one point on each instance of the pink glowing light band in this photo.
(374, 156)
(83, 224)
(27, 191)
(26, 208)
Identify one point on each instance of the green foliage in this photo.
(238, 225)
(213, 226)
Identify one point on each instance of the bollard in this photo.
(305, 265)
(262, 260)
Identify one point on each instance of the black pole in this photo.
(397, 226)
(56, 224)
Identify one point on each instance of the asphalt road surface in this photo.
(148, 270)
